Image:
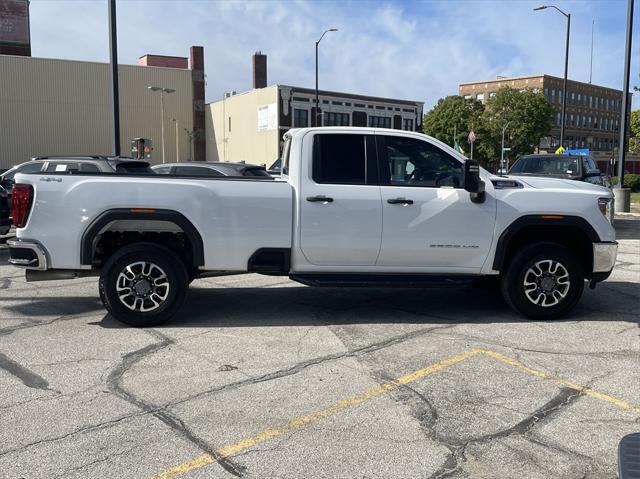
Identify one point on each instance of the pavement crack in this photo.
(312, 362)
(114, 383)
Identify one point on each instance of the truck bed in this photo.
(234, 216)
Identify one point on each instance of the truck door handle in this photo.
(320, 198)
(400, 201)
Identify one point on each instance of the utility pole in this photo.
(591, 61)
(113, 59)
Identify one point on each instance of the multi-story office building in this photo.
(249, 126)
(592, 111)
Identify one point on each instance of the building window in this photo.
(299, 98)
(300, 118)
(467, 97)
(407, 124)
(411, 110)
(378, 107)
(325, 102)
(480, 97)
(359, 105)
(380, 121)
(571, 120)
(492, 94)
(558, 118)
(336, 103)
(336, 119)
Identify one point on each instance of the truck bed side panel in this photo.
(234, 217)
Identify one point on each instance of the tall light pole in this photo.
(317, 100)
(113, 58)
(623, 195)
(566, 69)
(175, 120)
(162, 91)
(502, 149)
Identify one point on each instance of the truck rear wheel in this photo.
(543, 281)
(143, 284)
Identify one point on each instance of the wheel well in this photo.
(570, 236)
(117, 228)
(111, 241)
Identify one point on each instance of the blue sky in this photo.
(417, 50)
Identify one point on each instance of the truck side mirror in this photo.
(472, 182)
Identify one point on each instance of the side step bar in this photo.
(383, 280)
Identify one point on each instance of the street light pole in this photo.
(175, 120)
(162, 91)
(566, 69)
(502, 150)
(317, 98)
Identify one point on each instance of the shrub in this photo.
(630, 181)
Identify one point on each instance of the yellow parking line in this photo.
(578, 387)
(229, 450)
(206, 459)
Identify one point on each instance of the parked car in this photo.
(74, 165)
(210, 169)
(5, 215)
(355, 207)
(572, 167)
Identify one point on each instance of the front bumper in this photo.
(604, 257)
(27, 254)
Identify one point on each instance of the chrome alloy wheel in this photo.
(142, 286)
(546, 283)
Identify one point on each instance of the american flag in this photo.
(471, 137)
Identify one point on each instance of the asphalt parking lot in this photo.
(261, 377)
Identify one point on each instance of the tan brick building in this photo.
(592, 113)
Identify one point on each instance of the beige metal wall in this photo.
(241, 140)
(50, 106)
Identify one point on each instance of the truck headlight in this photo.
(606, 208)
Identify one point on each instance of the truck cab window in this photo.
(339, 159)
(411, 162)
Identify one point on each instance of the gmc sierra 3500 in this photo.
(354, 207)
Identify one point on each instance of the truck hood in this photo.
(560, 183)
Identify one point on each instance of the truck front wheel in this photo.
(143, 284)
(543, 281)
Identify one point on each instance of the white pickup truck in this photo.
(354, 207)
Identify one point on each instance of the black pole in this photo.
(625, 100)
(113, 57)
(315, 121)
(564, 86)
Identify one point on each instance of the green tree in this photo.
(452, 113)
(634, 139)
(527, 116)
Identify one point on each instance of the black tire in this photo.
(553, 300)
(159, 284)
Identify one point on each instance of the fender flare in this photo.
(91, 234)
(538, 220)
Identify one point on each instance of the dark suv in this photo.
(74, 165)
(5, 221)
(571, 167)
